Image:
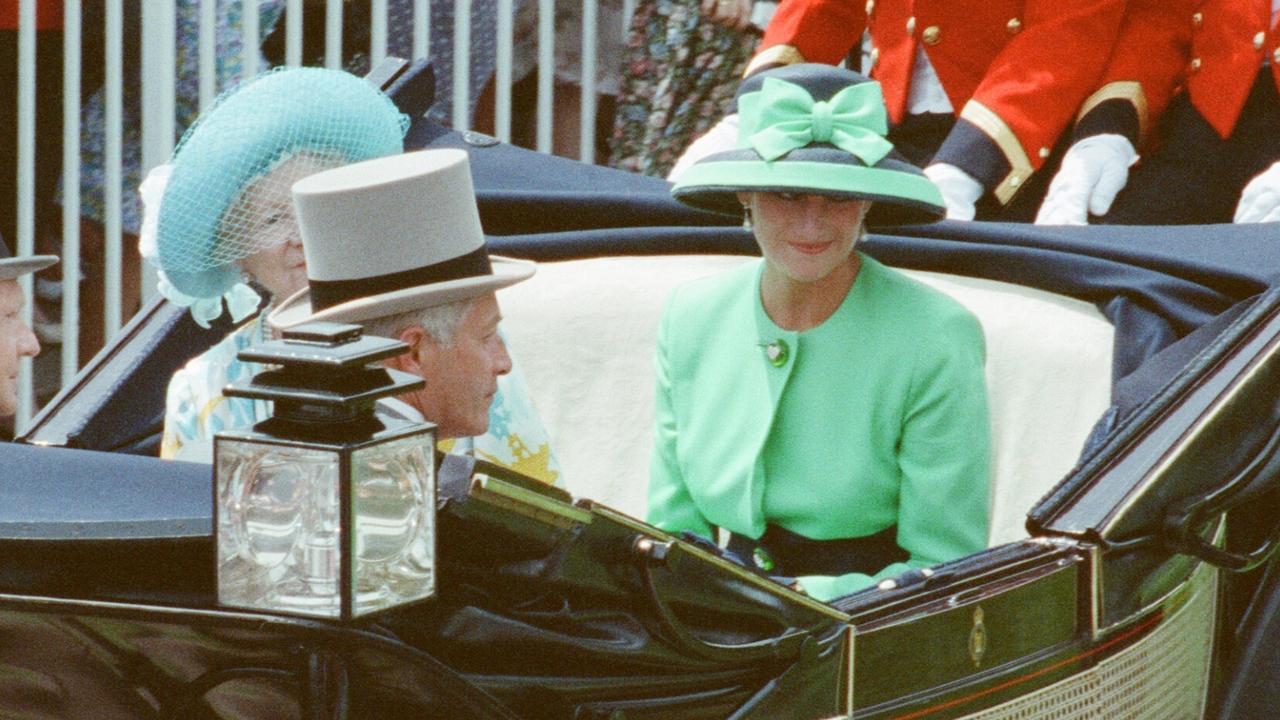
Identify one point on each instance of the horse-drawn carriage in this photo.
(1135, 393)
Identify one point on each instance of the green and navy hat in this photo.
(819, 130)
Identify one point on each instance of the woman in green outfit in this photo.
(825, 410)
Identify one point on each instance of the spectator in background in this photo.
(48, 124)
(48, 137)
(979, 92)
(1214, 153)
(567, 94)
(229, 53)
(681, 67)
(356, 40)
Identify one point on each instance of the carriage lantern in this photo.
(323, 510)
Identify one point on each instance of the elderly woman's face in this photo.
(279, 264)
(805, 237)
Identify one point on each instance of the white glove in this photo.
(723, 136)
(1260, 201)
(960, 192)
(1093, 171)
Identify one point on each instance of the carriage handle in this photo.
(1183, 521)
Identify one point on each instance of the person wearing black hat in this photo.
(16, 339)
(825, 410)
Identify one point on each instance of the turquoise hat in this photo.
(332, 115)
(815, 129)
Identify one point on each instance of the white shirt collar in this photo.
(401, 409)
(404, 411)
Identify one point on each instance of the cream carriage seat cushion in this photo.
(584, 332)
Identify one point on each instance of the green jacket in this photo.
(878, 416)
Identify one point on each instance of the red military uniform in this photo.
(1017, 70)
(1206, 73)
(1144, 70)
(1215, 46)
(1229, 41)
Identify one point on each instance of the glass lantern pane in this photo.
(394, 489)
(279, 529)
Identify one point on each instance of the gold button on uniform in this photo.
(1195, 65)
(873, 57)
(1197, 20)
(932, 35)
(1015, 180)
(1275, 56)
(1044, 152)
(911, 25)
(1258, 40)
(1014, 26)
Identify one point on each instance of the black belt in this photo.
(782, 552)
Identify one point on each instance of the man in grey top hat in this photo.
(395, 244)
(16, 339)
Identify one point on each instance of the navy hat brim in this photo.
(901, 194)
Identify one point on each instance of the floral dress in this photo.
(195, 410)
(680, 73)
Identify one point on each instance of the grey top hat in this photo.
(13, 267)
(815, 129)
(386, 236)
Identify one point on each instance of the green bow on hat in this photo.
(783, 116)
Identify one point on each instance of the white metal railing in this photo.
(159, 125)
(26, 179)
(71, 22)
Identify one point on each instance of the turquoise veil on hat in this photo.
(204, 225)
(813, 129)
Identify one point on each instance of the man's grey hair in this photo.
(440, 321)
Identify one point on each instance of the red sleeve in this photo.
(821, 31)
(1032, 90)
(1144, 72)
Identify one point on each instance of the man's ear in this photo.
(411, 362)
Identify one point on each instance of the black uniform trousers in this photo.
(1194, 176)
